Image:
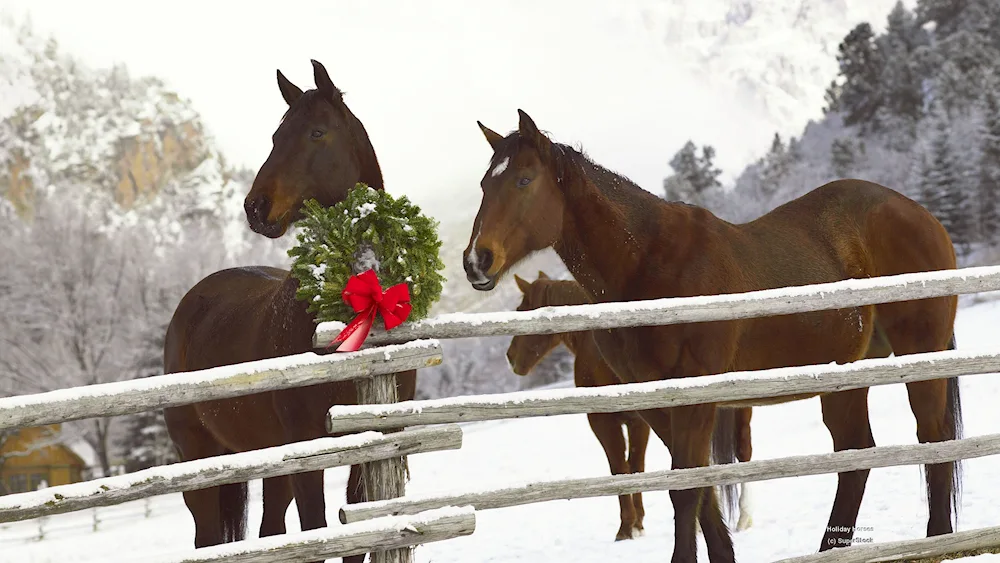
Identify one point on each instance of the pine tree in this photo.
(693, 174)
(146, 442)
(946, 15)
(941, 185)
(775, 165)
(831, 97)
(842, 158)
(861, 67)
(900, 82)
(989, 169)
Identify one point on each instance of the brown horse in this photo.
(622, 243)
(590, 370)
(321, 150)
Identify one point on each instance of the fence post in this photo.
(384, 479)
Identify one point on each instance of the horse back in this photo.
(237, 315)
(842, 230)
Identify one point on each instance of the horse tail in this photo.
(724, 451)
(233, 501)
(953, 421)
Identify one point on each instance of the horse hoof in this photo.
(638, 532)
(744, 524)
(624, 534)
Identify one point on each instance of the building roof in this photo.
(85, 451)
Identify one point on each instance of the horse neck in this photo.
(371, 172)
(606, 233)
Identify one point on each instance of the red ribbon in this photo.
(364, 294)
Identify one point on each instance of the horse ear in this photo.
(527, 129)
(289, 91)
(523, 285)
(492, 137)
(542, 275)
(323, 82)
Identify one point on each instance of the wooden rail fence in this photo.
(390, 523)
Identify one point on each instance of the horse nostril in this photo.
(485, 259)
(258, 207)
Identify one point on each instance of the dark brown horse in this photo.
(590, 370)
(321, 150)
(622, 243)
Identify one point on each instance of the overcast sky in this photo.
(419, 75)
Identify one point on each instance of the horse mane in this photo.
(569, 162)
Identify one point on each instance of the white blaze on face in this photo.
(473, 258)
(499, 168)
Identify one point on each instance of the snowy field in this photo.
(789, 514)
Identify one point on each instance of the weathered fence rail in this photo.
(721, 388)
(655, 312)
(680, 479)
(341, 541)
(313, 455)
(184, 388)
(961, 544)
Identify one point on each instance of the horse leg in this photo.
(301, 412)
(278, 495)
(608, 430)
(687, 433)
(845, 414)
(219, 512)
(743, 452)
(936, 405)
(355, 494)
(638, 439)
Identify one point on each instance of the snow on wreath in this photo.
(368, 230)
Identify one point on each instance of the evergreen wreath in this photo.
(369, 229)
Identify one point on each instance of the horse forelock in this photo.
(559, 155)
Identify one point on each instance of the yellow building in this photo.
(33, 456)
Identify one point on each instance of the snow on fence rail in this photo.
(966, 543)
(174, 389)
(680, 479)
(327, 543)
(312, 455)
(727, 388)
(655, 312)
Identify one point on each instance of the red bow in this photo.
(364, 294)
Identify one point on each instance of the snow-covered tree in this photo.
(775, 164)
(843, 157)
(861, 67)
(941, 12)
(901, 84)
(942, 182)
(693, 175)
(146, 442)
(989, 169)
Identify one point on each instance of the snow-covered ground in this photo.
(789, 515)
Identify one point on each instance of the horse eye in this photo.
(523, 182)
(317, 133)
